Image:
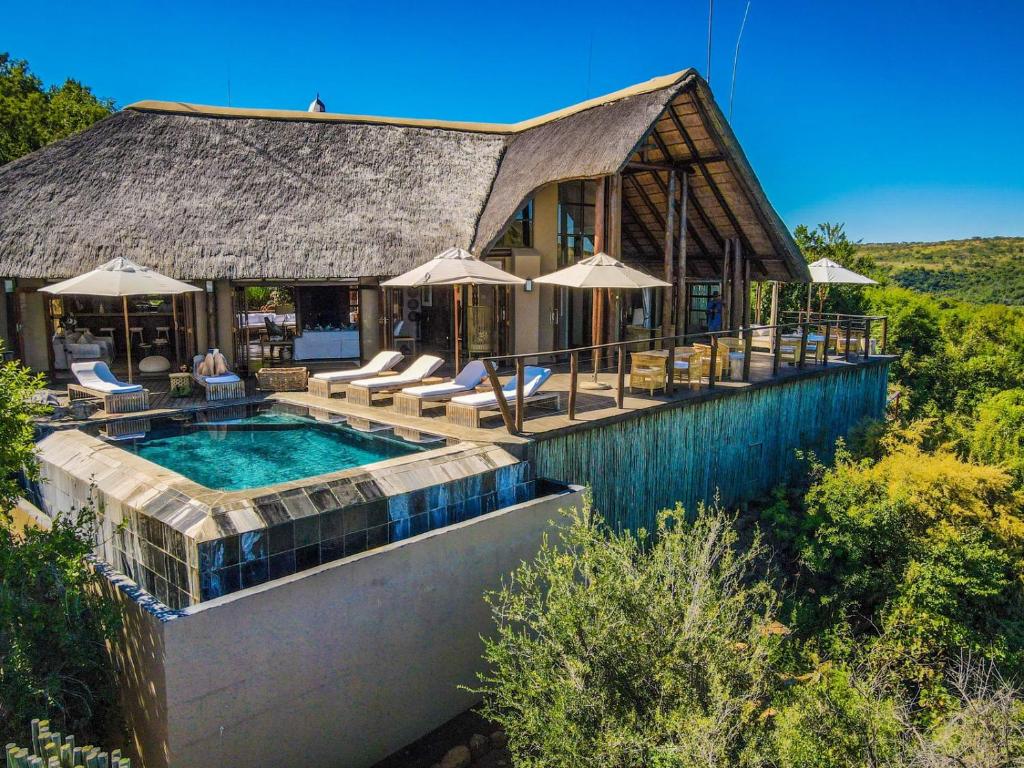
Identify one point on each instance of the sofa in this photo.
(77, 347)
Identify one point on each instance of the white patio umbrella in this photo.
(455, 267)
(826, 271)
(121, 277)
(598, 272)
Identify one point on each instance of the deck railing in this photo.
(831, 328)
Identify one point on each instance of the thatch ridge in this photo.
(181, 107)
(201, 192)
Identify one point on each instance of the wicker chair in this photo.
(690, 367)
(647, 371)
(722, 366)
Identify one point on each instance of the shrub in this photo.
(633, 650)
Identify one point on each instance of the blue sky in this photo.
(903, 119)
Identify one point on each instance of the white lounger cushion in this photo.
(96, 375)
(535, 378)
(382, 361)
(227, 378)
(421, 367)
(469, 378)
(224, 378)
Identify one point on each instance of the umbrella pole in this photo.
(597, 336)
(127, 337)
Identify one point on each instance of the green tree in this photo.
(54, 621)
(918, 555)
(630, 650)
(998, 433)
(837, 717)
(32, 116)
(18, 385)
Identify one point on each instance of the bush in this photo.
(998, 433)
(53, 621)
(54, 624)
(622, 650)
(837, 719)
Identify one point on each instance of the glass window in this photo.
(520, 232)
(575, 221)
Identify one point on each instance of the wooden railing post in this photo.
(777, 351)
(622, 377)
(670, 368)
(713, 363)
(748, 344)
(828, 338)
(506, 414)
(885, 335)
(574, 372)
(867, 337)
(520, 375)
(849, 330)
(803, 344)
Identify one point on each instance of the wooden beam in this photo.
(719, 240)
(681, 314)
(700, 212)
(667, 327)
(768, 228)
(648, 203)
(709, 179)
(636, 217)
(639, 166)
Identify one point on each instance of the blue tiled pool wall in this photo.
(156, 556)
(326, 522)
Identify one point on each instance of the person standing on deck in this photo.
(714, 310)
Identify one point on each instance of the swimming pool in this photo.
(254, 448)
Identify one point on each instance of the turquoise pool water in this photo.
(260, 449)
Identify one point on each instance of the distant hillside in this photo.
(989, 269)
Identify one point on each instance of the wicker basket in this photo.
(282, 379)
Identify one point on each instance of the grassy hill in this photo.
(989, 269)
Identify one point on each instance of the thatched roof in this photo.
(201, 192)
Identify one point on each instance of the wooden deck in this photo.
(592, 406)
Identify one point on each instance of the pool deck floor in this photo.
(592, 406)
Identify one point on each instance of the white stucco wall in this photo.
(336, 666)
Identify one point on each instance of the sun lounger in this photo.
(95, 380)
(227, 386)
(410, 400)
(466, 410)
(361, 392)
(327, 383)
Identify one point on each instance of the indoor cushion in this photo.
(154, 364)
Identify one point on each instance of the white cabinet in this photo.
(326, 345)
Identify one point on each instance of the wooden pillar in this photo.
(681, 304)
(746, 291)
(600, 244)
(726, 284)
(667, 326)
(211, 317)
(758, 310)
(773, 315)
(738, 304)
(614, 245)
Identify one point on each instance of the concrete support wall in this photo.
(225, 320)
(34, 334)
(335, 666)
(738, 445)
(545, 242)
(526, 305)
(369, 322)
(202, 331)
